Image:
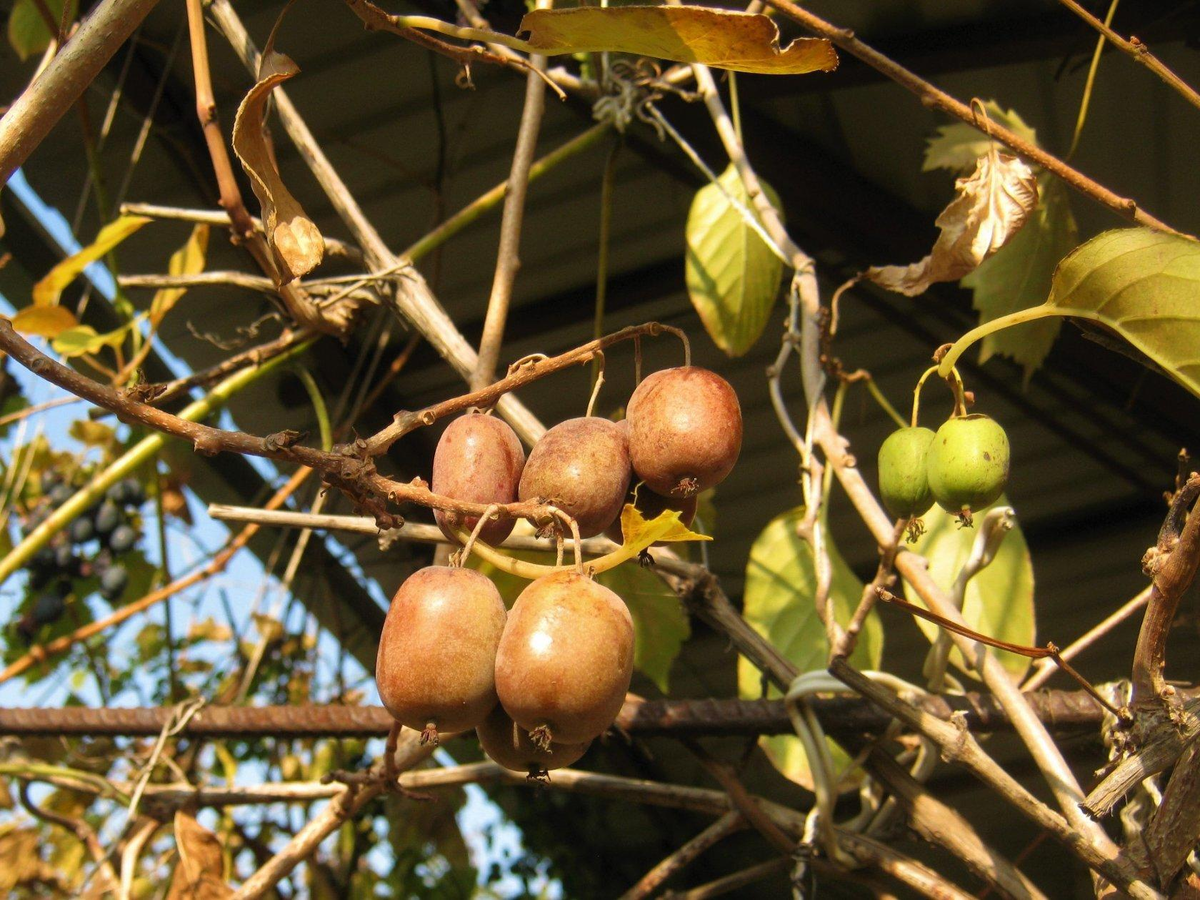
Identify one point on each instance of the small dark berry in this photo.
(43, 559)
(60, 494)
(122, 539)
(132, 492)
(82, 530)
(113, 582)
(108, 517)
(65, 560)
(48, 608)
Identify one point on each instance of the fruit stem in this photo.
(959, 347)
(488, 514)
(916, 404)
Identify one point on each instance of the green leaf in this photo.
(1019, 276)
(732, 275)
(1144, 285)
(727, 39)
(958, 146)
(780, 587)
(999, 599)
(1137, 283)
(660, 625)
(27, 30)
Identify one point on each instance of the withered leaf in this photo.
(724, 38)
(200, 874)
(992, 205)
(294, 238)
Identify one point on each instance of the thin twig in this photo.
(958, 745)
(347, 468)
(678, 860)
(511, 224)
(727, 883)
(1044, 669)
(932, 96)
(1138, 52)
(57, 87)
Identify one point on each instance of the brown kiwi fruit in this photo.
(507, 743)
(582, 467)
(479, 459)
(437, 653)
(565, 660)
(685, 430)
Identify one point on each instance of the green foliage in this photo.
(28, 32)
(956, 147)
(999, 599)
(781, 585)
(732, 275)
(1143, 285)
(1019, 276)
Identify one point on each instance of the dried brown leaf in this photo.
(992, 205)
(294, 238)
(200, 874)
(725, 38)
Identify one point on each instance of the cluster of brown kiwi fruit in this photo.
(540, 682)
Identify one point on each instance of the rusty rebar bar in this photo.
(1064, 712)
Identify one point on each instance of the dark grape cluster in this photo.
(91, 546)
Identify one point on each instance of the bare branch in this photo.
(1138, 52)
(508, 260)
(957, 745)
(64, 80)
(938, 99)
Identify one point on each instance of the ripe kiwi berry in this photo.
(582, 467)
(437, 653)
(685, 430)
(507, 743)
(479, 459)
(565, 660)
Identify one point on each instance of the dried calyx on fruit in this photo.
(967, 464)
(580, 466)
(479, 459)
(437, 653)
(903, 482)
(565, 660)
(507, 743)
(685, 430)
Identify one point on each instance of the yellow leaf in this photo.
(662, 529)
(200, 874)
(294, 238)
(45, 321)
(187, 260)
(727, 39)
(47, 291)
(83, 339)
